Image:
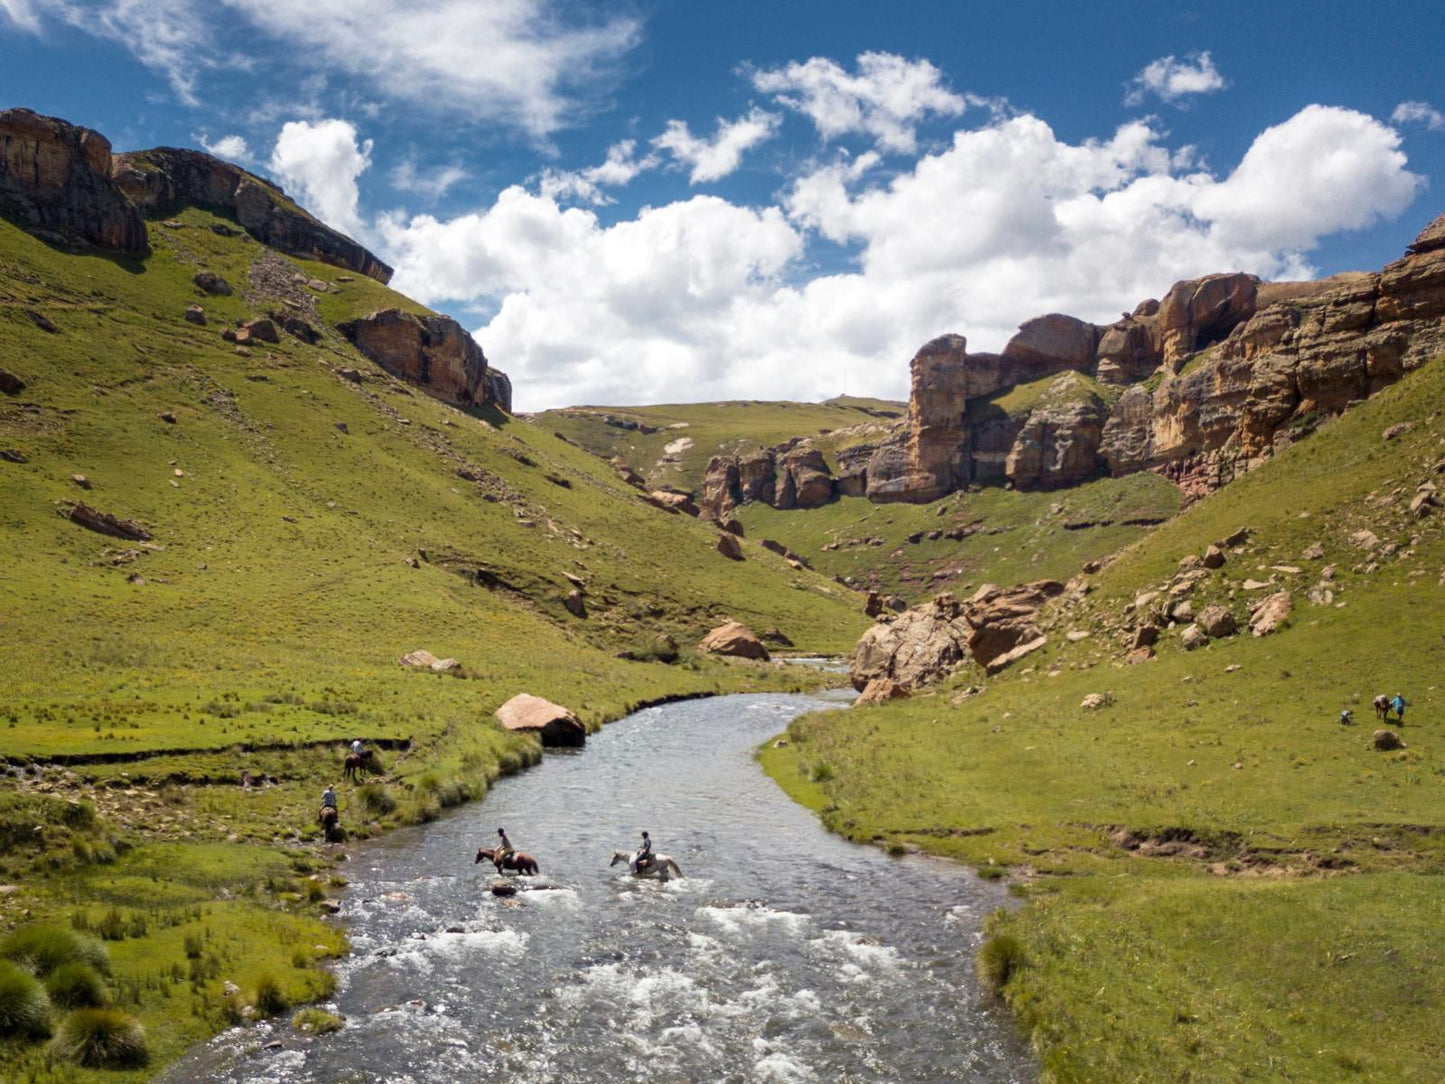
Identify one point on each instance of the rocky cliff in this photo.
(163, 180)
(55, 181)
(61, 182)
(432, 351)
(1199, 386)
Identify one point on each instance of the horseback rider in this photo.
(328, 798)
(358, 748)
(505, 850)
(643, 858)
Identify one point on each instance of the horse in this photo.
(1382, 707)
(328, 819)
(661, 866)
(356, 763)
(519, 861)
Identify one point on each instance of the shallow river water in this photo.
(785, 954)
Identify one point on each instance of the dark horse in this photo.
(355, 764)
(519, 862)
(328, 819)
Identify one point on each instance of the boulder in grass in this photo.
(880, 690)
(1270, 614)
(728, 546)
(425, 660)
(1386, 740)
(1217, 621)
(554, 724)
(734, 639)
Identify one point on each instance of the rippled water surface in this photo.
(785, 954)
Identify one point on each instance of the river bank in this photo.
(165, 850)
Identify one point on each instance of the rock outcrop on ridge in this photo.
(1198, 386)
(55, 181)
(163, 180)
(432, 351)
(61, 182)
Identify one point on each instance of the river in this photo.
(785, 955)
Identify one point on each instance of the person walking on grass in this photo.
(1399, 704)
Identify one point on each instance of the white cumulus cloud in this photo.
(712, 159)
(429, 183)
(703, 299)
(619, 168)
(1172, 80)
(1419, 113)
(319, 162)
(885, 98)
(233, 148)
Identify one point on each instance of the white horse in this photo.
(661, 865)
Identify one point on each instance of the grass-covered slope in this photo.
(1225, 883)
(683, 437)
(306, 529)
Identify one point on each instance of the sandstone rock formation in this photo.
(554, 724)
(55, 181)
(735, 639)
(433, 352)
(881, 690)
(921, 646)
(166, 179)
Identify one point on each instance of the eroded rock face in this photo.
(1058, 445)
(163, 180)
(1002, 621)
(434, 352)
(55, 181)
(1050, 344)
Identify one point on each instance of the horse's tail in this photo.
(676, 869)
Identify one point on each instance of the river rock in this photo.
(554, 724)
(734, 639)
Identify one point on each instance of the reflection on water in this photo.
(785, 954)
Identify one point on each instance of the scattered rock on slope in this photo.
(106, 523)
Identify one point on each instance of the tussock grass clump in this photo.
(76, 986)
(270, 998)
(999, 960)
(101, 1039)
(24, 1008)
(376, 799)
(42, 948)
(316, 1022)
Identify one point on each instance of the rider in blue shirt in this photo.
(643, 858)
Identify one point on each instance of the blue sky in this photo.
(645, 202)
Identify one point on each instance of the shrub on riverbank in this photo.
(42, 948)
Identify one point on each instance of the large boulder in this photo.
(1001, 621)
(1049, 344)
(920, 646)
(422, 659)
(55, 181)
(554, 724)
(434, 352)
(734, 639)
(1270, 614)
(1217, 622)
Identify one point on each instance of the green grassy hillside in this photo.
(306, 530)
(1224, 882)
(687, 435)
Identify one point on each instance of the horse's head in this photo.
(482, 853)
(617, 856)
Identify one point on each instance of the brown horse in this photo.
(355, 764)
(519, 861)
(328, 818)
